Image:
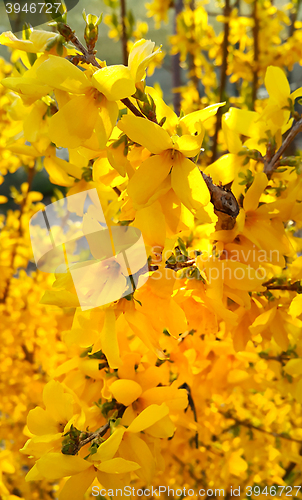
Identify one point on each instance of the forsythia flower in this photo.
(170, 155)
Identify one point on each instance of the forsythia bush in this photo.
(194, 380)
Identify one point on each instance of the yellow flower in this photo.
(87, 108)
(28, 86)
(279, 96)
(37, 42)
(169, 156)
(141, 54)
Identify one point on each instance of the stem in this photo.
(292, 29)
(191, 61)
(293, 18)
(273, 163)
(223, 74)
(132, 108)
(293, 287)
(244, 423)
(176, 76)
(70, 36)
(124, 32)
(256, 55)
(290, 467)
(99, 432)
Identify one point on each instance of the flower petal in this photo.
(253, 194)
(73, 124)
(147, 133)
(57, 465)
(109, 340)
(76, 486)
(118, 466)
(148, 417)
(39, 422)
(190, 145)
(140, 56)
(108, 449)
(126, 391)
(58, 403)
(61, 74)
(115, 82)
(190, 122)
(276, 84)
(148, 178)
(188, 184)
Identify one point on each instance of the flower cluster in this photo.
(173, 382)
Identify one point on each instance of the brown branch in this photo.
(290, 467)
(132, 108)
(124, 33)
(273, 163)
(293, 19)
(191, 57)
(99, 432)
(256, 54)
(223, 75)
(281, 358)
(247, 424)
(176, 71)
(117, 190)
(292, 287)
(222, 198)
(70, 36)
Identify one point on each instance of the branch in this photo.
(244, 423)
(99, 432)
(222, 198)
(223, 74)
(132, 108)
(256, 54)
(191, 60)
(124, 33)
(176, 77)
(292, 287)
(290, 467)
(273, 163)
(70, 36)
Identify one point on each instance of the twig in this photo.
(191, 57)
(132, 108)
(281, 358)
(70, 36)
(292, 287)
(124, 32)
(244, 423)
(99, 432)
(176, 77)
(223, 75)
(256, 54)
(290, 467)
(273, 163)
